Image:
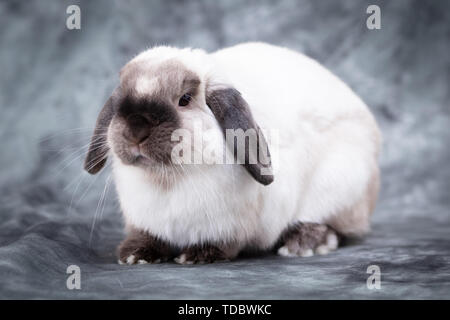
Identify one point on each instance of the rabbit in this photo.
(312, 183)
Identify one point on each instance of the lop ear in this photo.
(98, 149)
(233, 113)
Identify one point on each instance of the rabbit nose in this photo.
(138, 128)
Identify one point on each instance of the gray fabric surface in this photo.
(53, 82)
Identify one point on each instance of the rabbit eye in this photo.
(184, 100)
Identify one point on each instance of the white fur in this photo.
(145, 85)
(327, 153)
(131, 259)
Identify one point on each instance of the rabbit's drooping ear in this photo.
(98, 149)
(232, 112)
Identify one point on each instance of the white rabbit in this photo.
(325, 177)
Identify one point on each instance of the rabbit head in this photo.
(166, 90)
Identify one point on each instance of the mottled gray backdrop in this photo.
(54, 81)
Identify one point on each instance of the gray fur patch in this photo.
(233, 112)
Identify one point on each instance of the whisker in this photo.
(81, 153)
(102, 198)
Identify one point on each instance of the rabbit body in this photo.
(324, 148)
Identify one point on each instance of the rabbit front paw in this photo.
(141, 248)
(201, 254)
